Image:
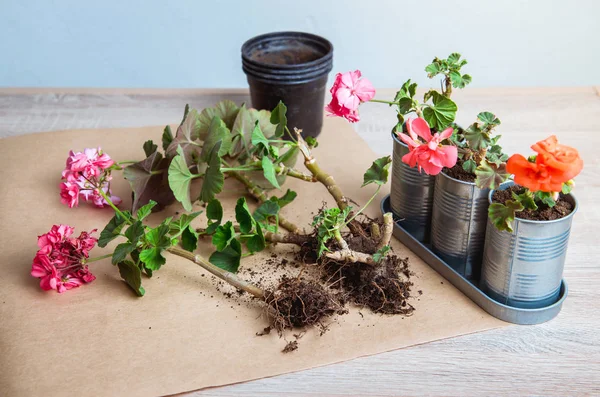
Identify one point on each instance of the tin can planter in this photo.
(411, 195)
(291, 67)
(458, 224)
(524, 268)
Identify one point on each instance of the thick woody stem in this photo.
(224, 275)
(388, 229)
(294, 173)
(327, 180)
(261, 197)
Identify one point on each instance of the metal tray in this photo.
(503, 312)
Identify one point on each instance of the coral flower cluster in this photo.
(554, 165)
(427, 153)
(87, 176)
(60, 260)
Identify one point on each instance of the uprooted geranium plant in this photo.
(352, 252)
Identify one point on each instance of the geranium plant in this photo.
(542, 177)
(248, 146)
(435, 142)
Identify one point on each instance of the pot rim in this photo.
(510, 183)
(397, 139)
(308, 37)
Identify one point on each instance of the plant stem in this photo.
(126, 162)
(261, 197)
(388, 229)
(382, 101)
(217, 271)
(351, 256)
(114, 207)
(287, 130)
(98, 258)
(364, 206)
(294, 173)
(327, 180)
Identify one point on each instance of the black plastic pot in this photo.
(291, 67)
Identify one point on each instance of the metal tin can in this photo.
(458, 224)
(411, 195)
(524, 268)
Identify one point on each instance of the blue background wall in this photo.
(196, 43)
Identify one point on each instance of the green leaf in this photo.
(478, 139)
(269, 171)
(278, 117)
(149, 147)
(135, 232)
(121, 252)
(257, 242)
(149, 181)
(113, 229)
(312, 142)
(453, 58)
(259, 140)
(226, 110)
(214, 213)
(266, 211)
(244, 216)
(187, 136)
(132, 275)
(241, 132)
(179, 225)
(217, 132)
(229, 258)
(545, 197)
(433, 69)
(153, 258)
(441, 113)
(489, 175)
(503, 215)
(213, 177)
(458, 80)
(223, 236)
(381, 253)
(145, 210)
(567, 187)
(180, 179)
(489, 118)
(405, 97)
(470, 166)
(378, 171)
(286, 199)
(167, 137)
(526, 199)
(189, 239)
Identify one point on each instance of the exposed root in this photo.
(298, 303)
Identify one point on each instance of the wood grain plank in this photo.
(561, 357)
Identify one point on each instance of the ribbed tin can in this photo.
(458, 224)
(411, 196)
(524, 268)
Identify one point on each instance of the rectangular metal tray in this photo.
(503, 312)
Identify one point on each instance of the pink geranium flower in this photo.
(86, 174)
(60, 261)
(428, 153)
(348, 92)
(69, 194)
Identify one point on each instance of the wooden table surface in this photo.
(561, 357)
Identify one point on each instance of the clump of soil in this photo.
(458, 172)
(543, 213)
(384, 288)
(298, 303)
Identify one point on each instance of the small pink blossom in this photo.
(430, 155)
(348, 92)
(60, 261)
(69, 194)
(86, 173)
